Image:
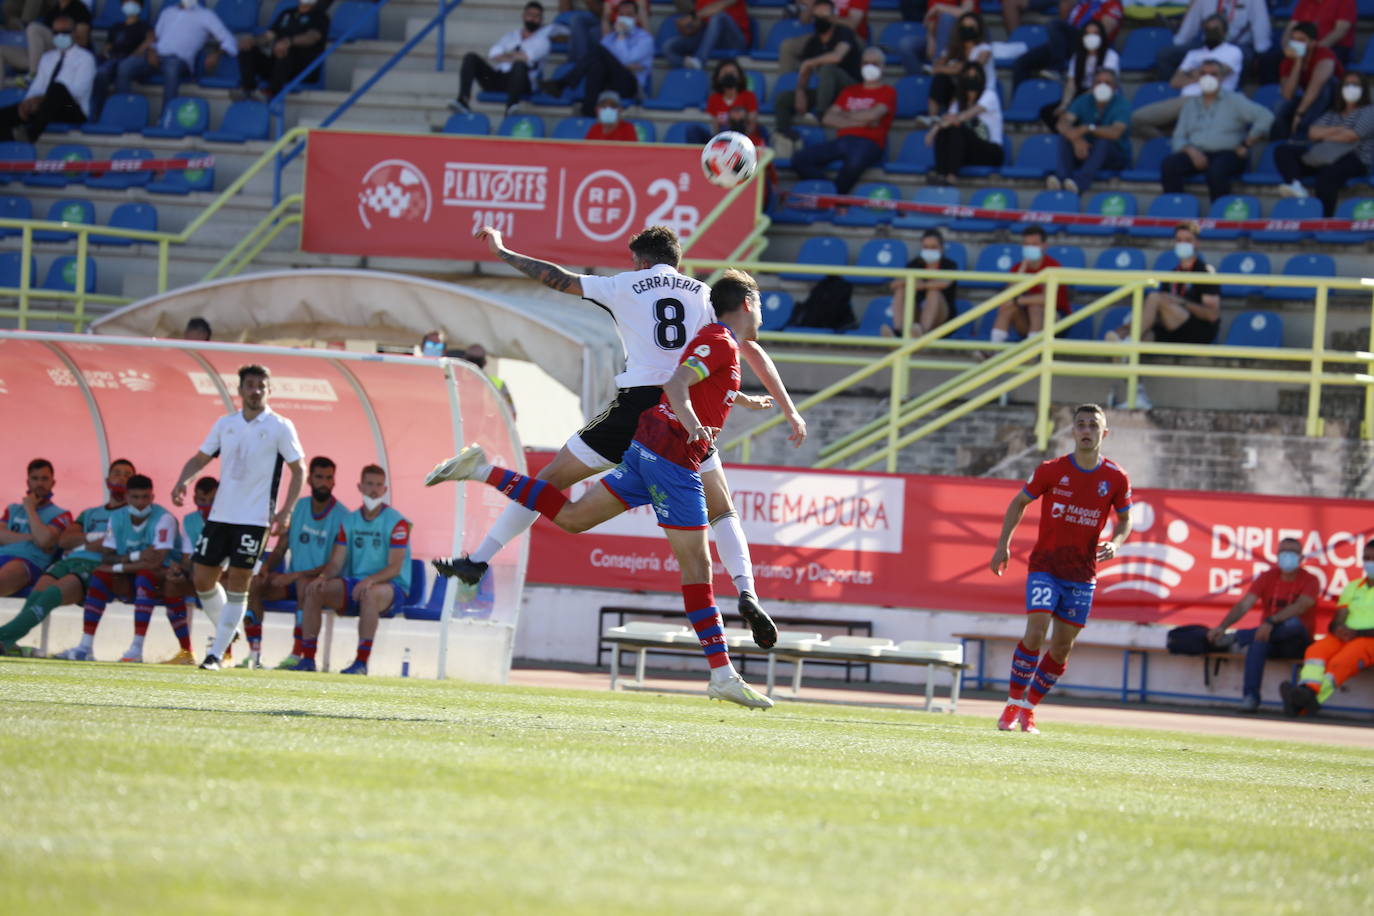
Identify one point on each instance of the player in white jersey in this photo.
(252, 445)
(657, 310)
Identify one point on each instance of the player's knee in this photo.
(717, 517)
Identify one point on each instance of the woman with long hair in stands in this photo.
(971, 132)
(1342, 147)
(1093, 52)
(969, 45)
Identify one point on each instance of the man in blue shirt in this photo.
(368, 573)
(1092, 135)
(29, 530)
(621, 62)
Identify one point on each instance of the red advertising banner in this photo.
(925, 542)
(572, 203)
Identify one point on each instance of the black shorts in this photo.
(240, 544)
(610, 432)
(1193, 331)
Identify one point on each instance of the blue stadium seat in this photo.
(126, 113)
(644, 130)
(10, 266)
(565, 97)
(237, 15)
(1031, 35)
(788, 212)
(1243, 262)
(1167, 206)
(13, 95)
(1291, 208)
(1083, 330)
(1117, 259)
(757, 83)
(1355, 208)
(998, 258)
(1268, 96)
(1267, 171)
(891, 253)
(957, 253)
(1365, 64)
(118, 181)
(432, 609)
(894, 33)
(823, 250)
(782, 30)
(1303, 265)
(62, 274)
(807, 135)
(784, 82)
(1113, 318)
(1166, 260)
(15, 151)
(913, 157)
(944, 196)
(1054, 202)
(1068, 255)
(1149, 93)
(67, 152)
(132, 215)
(471, 123)
(362, 19)
(243, 121)
(1030, 97)
(869, 216)
(777, 308)
(1233, 206)
(574, 128)
(982, 171)
(1255, 329)
(526, 127)
(1037, 157)
(689, 132)
(224, 76)
(184, 181)
(12, 207)
(69, 210)
(877, 314)
(182, 117)
(913, 95)
(1148, 161)
(1143, 46)
(679, 90)
(990, 199)
(1107, 203)
(968, 331)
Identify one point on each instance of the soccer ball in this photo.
(729, 159)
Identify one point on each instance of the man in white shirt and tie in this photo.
(181, 31)
(60, 90)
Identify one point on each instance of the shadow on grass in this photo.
(279, 713)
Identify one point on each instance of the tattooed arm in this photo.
(551, 275)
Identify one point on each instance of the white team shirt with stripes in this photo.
(250, 457)
(657, 311)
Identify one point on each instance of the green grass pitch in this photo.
(145, 789)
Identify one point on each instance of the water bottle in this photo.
(405, 663)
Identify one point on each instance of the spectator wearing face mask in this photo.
(59, 91)
(968, 46)
(1157, 118)
(1215, 132)
(1246, 24)
(970, 133)
(933, 298)
(609, 124)
(1092, 53)
(731, 104)
(833, 56)
(1309, 77)
(39, 18)
(1286, 596)
(130, 37)
(433, 344)
(1064, 33)
(1346, 650)
(1026, 313)
(181, 31)
(852, 14)
(1335, 22)
(1342, 147)
(713, 25)
(511, 64)
(290, 45)
(621, 63)
(1092, 136)
(861, 118)
(1180, 312)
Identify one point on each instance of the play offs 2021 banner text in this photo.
(419, 196)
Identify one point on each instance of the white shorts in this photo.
(587, 455)
(711, 462)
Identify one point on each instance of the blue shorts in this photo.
(1071, 602)
(350, 608)
(33, 571)
(676, 493)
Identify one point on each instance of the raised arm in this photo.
(551, 275)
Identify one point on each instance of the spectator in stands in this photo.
(1092, 136)
(1247, 27)
(1026, 313)
(621, 63)
(731, 104)
(511, 65)
(714, 25)
(477, 355)
(861, 118)
(368, 573)
(433, 344)
(1308, 78)
(609, 124)
(583, 27)
(1335, 21)
(933, 299)
(290, 44)
(1093, 53)
(60, 90)
(1343, 147)
(1214, 134)
(852, 14)
(969, 46)
(130, 37)
(39, 19)
(832, 55)
(196, 329)
(941, 21)
(1064, 34)
(29, 530)
(181, 31)
(1346, 650)
(1158, 118)
(970, 133)
(1287, 598)
(1180, 312)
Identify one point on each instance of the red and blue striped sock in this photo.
(176, 616)
(364, 650)
(296, 637)
(252, 628)
(530, 492)
(144, 591)
(308, 648)
(1023, 663)
(705, 618)
(1046, 675)
(98, 594)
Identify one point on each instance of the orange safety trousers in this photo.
(1343, 660)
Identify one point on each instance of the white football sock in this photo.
(136, 647)
(235, 606)
(482, 472)
(212, 602)
(723, 673)
(734, 550)
(999, 335)
(87, 642)
(509, 525)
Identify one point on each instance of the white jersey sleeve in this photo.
(288, 442)
(165, 535)
(657, 311)
(211, 446)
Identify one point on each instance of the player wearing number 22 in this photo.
(661, 468)
(1080, 490)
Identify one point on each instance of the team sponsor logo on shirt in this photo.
(1076, 515)
(703, 351)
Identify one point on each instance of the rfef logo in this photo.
(394, 190)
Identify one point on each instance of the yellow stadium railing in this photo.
(1042, 358)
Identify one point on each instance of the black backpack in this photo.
(1188, 640)
(827, 306)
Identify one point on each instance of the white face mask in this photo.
(871, 73)
(131, 9)
(608, 116)
(370, 503)
(62, 41)
(1288, 560)
(1351, 93)
(1298, 47)
(140, 514)
(624, 23)
(930, 255)
(1208, 83)
(1092, 41)
(1184, 250)
(1103, 93)
(1031, 253)
(190, 4)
